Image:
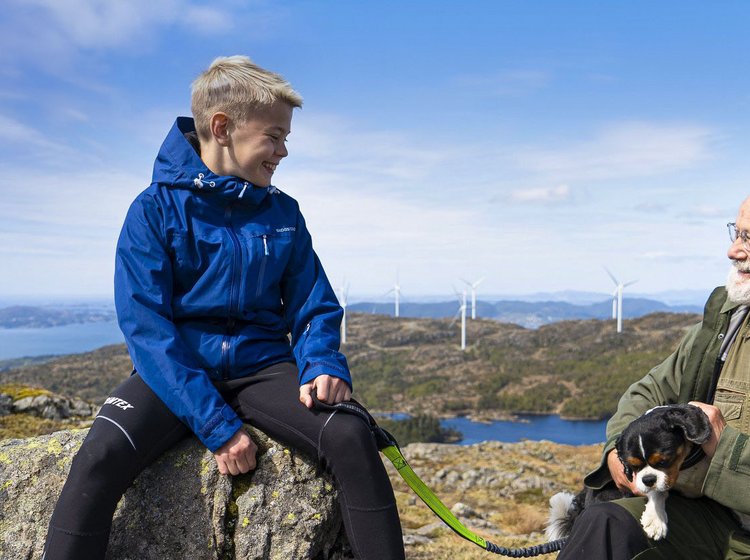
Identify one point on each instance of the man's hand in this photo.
(237, 455)
(330, 390)
(716, 419)
(617, 472)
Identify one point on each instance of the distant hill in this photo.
(28, 316)
(575, 368)
(530, 314)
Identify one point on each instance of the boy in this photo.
(214, 268)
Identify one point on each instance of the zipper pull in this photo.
(265, 245)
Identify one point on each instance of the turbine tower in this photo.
(619, 286)
(396, 297)
(343, 294)
(473, 288)
(461, 313)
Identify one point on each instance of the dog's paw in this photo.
(654, 526)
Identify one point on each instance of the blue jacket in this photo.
(211, 276)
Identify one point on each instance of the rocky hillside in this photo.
(575, 368)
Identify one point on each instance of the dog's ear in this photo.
(692, 420)
(628, 472)
(625, 467)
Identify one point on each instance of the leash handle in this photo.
(383, 438)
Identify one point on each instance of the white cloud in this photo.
(707, 211)
(104, 23)
(206, 20)
(54, 34)
(546, 195)
(14, 132)
(341, 147)
(651, 208)
(629, 149)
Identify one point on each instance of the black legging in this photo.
(123, 441)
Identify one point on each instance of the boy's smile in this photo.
(252, 150)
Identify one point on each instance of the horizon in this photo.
(673, 298)
(530, 143)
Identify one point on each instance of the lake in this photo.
(66, 339)
(532, 427)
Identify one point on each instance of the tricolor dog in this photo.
(651, 449)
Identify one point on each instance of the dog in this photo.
(651, 449)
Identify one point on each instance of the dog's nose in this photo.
(649, 480)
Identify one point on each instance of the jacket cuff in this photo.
(315, 369)
(599, 478)
(220, 428)
(728, 469)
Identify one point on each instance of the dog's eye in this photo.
(662, 464)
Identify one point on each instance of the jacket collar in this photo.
(178, 165)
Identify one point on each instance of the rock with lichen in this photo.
(180, 507)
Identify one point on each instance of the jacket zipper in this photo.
(234, 303)
(262, 272)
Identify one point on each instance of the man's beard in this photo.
(738, 288)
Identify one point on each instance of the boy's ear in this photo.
(220, 128)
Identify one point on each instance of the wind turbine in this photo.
(618, 294)
(343, 294)
(461, 313)
(473, 287)
(396, 295)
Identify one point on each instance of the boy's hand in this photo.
(331, 390)
(237, 455)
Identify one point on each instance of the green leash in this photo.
(388, 445)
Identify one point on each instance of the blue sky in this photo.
(528, 142)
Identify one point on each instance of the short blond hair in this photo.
(236, 86)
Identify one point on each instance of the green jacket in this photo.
(686, 376)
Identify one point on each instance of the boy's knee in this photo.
(105, 455)
(346, 434)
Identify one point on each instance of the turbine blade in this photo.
(612, 276)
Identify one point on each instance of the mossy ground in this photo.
(26, 425)
(18, 391)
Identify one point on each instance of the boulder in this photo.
(53, 407)
(6, 404)
(180, 507)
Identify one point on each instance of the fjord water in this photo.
(66, 339)
(531, 427)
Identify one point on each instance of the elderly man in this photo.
(711, 369)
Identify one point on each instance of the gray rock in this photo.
(53, 407)
(6, 404)
(180, 507)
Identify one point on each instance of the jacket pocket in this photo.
(270, 250)
(729, 403)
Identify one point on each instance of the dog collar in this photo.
(694, 457)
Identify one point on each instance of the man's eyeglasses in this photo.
(734, 233)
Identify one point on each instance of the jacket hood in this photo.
(179, 166)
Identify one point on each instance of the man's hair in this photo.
(236, 86)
